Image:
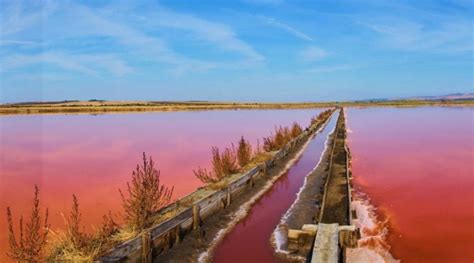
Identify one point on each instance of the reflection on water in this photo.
(93, 156)
(416, 168)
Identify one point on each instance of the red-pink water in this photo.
(93, 156)
(249, 241)
(417, 167)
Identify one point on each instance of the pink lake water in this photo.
(415, 166)
(249, 240)
(93, 156)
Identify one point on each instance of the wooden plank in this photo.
(171, 223)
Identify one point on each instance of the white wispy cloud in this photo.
(264, 2)
(87, 64)
(313, 53)
(333, 68)
(135, 38)
(217, 33)
(16, 15)
(148, 47)
(9, 42)
(275, 23)
(411, 28)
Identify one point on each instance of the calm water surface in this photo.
(93, 155)
(417, 167)
(249, 241)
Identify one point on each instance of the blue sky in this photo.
(248, 50)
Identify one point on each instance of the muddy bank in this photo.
(305, 209)
(324, 198)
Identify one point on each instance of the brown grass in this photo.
(73, 244)
(28, 247)
(146, 195)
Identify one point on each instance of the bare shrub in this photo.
(282, 136)
(258, 149)
(108, 227)
(322, 116)
(244, 152)
(205, 176)
(222, 165)
(217, 171)
(146, 195)
(296, 130)
(32, 240)
(77, 238)
(229, 161)
(269, 144)
(314, 120)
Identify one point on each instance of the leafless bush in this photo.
(229, 161)
(77, 238)
(108, 227)
(258, 149)
(206, 176)
(296, 130)
(244, 152)
(222, 165)
(282, 136)
(32, 240)
(323, 115)
(146, 195)
(269, 144)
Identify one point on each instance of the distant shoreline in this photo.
(98, 107)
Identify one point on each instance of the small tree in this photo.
(296, 130)
(146, 195)
(31, 242)
(244, 152)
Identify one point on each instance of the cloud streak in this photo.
(410, 28)
(291, 30)
(219, 34)
(313, 53)
(129, 35)
(86, 64)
